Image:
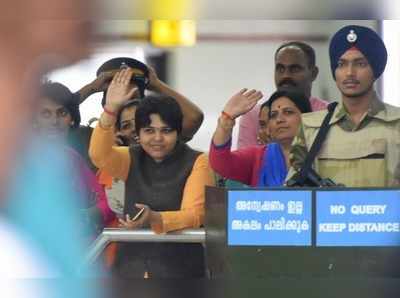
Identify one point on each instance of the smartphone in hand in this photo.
(138, 214)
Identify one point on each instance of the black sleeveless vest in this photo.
(160, 186)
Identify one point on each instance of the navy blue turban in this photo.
(365, 40)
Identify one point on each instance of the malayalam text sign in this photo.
(269, 217)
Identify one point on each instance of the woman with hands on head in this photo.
(258, 165)
(169, 202)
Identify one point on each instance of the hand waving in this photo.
(120, 90)
(242, 102)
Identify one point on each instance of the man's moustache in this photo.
(287, 82)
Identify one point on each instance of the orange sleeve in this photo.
(112, 159)
(191, 214)
(104, 179)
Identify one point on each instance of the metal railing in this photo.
(121, 235)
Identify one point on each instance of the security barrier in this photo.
(146, 235)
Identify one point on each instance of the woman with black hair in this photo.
(56, 117)
(258, 165)
(58, 112)
(125, 129)
(165, 181)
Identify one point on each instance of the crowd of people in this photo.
(135, 170)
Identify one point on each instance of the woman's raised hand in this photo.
(120, 89)
(242, 102)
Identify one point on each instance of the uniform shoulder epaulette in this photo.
(314, 119)
(391, 113)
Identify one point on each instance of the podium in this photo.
(353, 234)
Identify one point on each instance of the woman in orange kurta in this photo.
(163, 176)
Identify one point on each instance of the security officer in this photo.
(362, 147)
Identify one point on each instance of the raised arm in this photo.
(99, 84)
(238, 104)
(236, 165)
(192, 115)
(114, 160)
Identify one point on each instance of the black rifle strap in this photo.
(316, 146)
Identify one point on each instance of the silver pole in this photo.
(146, 235)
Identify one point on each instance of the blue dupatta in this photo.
(273, 169)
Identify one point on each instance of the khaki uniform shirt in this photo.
(363, 155)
